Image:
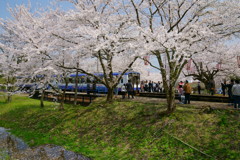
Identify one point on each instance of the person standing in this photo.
(180, 91)
(154, 87)
(146, 86)
(229, 87)
(150, 86)
(123, 91)
(180, 84)
(236, 94)
(129, 88)
(223, 86)
(199, 88)
(187, 91)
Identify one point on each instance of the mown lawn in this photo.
(126, 129)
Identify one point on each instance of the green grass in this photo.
(126, 129)
(2, 80)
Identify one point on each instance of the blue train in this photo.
(86, 83)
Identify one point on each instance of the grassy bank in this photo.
(126, 129)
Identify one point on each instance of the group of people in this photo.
(150, 86)
(127, 89)
(233, 90)
(184, 91)
(145, 86)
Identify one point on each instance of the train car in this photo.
(86, 82)
(134, 77)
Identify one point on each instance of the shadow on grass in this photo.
(2, 103)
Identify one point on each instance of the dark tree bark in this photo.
(110, 95)
(205, 75)
(76, 86)
(170, 72)
(10, 82)
(61, 107)
(42, 98)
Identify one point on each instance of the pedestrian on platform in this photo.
(124, 91)
(187, 91)
(154, 87)
(146, 86)
(150, 86)
(236, 94)
(199, 88)
(229, 87)
(181, 92)
(180, 84)
(130, 90)
(223, 86)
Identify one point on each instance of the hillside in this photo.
(126, 129)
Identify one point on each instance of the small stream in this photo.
(12, 147)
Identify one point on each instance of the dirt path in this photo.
(199, 104)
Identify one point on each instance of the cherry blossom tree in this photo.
(98, 31)
(27, 35)
(115, 33)
(8, 71)
(217, 62)
(10, 63)
(176, 30)
(92, 32)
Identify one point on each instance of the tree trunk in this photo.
(205, 75)
(9, 97)
(210, 85)
(61, 106)
(76, 88)
(171, 105)
(110, 94)
(42, 98)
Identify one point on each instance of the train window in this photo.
(130, 76)
(134, 77)
(121, 80)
